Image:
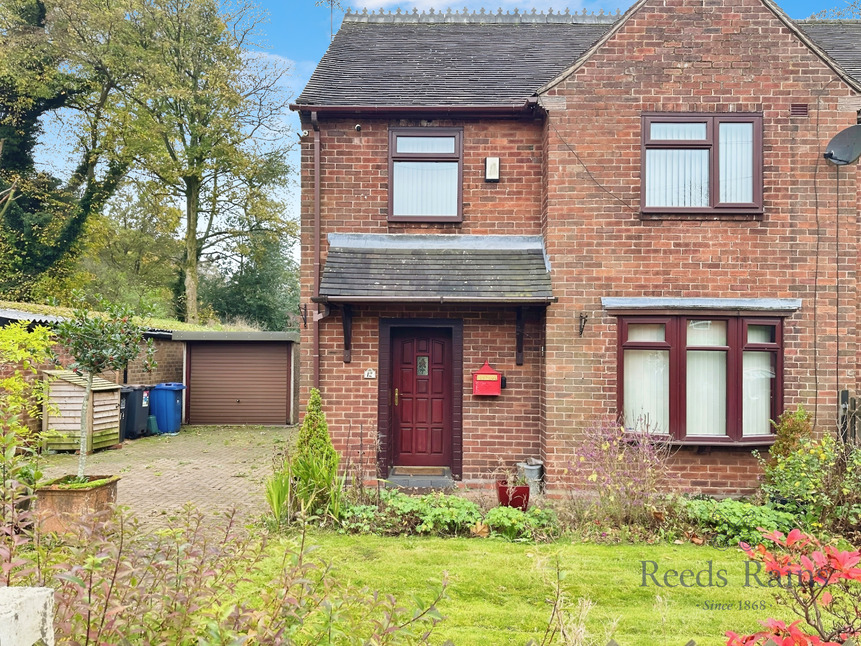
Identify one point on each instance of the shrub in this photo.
(188, 585)
(789, 429)
(514, 524)
(21, 394)
(819, 482)
(625, 472)
(307, 483)
(730, 522)
(398, 513)
(314, 437)
(818, 583)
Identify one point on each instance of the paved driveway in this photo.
(214, 467)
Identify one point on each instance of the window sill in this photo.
(423, 219)
(738, 217)
(761, 440)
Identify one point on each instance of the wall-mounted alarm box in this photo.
(486, 381)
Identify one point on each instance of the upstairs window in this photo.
(701, 379)
(425, 173)
(702, 164)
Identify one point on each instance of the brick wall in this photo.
(674, 55)
(502, 428)
(711, 56)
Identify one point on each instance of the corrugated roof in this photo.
(482, 60)
(840, 40)
(436, 268)
(444, 64)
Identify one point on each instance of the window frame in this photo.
(675, 342)
(394, 156)
(711, 143)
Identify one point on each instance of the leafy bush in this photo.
(308, 482)
(818, 583)
(819, 482)
(187, 585)
(626, 473)
(399, 513)
(514, 524)
(789, 429)
(21, 394)
(731, 522)
(314, 437)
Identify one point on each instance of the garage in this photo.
(239, 377)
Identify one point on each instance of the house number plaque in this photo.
(422, 366)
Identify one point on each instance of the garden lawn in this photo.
(499, 592)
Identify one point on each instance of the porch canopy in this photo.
(480, 269)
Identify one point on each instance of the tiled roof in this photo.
(840, 40)
(409, 63)
(482, 59)
(435, 268)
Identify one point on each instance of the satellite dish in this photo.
(845, 147)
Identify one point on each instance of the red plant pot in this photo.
(512, 496)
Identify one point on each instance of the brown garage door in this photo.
(239, 383)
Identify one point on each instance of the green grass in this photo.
(498, 592)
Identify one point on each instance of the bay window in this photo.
(701, 378)
(701, 164)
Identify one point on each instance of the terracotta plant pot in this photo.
(59, 507)
(512, 496)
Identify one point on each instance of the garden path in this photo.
(213, 467)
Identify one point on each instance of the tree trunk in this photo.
(192, 203)
(85, 427)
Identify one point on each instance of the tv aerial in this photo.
(845, 147)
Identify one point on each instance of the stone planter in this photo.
(60, 506)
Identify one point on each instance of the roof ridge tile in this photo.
(483, 17)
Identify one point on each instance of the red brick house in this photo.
(625, 215)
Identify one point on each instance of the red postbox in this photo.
(486, 381)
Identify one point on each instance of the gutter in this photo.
(529, 107)
(486, 300)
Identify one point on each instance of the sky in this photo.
(298, 32)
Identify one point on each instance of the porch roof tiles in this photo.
(435, 268)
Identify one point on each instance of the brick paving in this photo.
(213, 467)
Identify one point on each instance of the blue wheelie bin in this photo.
(166, 403)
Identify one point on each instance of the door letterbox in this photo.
(486, 381)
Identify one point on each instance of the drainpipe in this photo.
(316, 289)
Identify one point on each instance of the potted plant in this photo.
(97, 342)
(512, 490)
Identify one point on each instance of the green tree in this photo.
(109, 340)
(263, 289)
(62, 54)
(209, 117)
(132, 253)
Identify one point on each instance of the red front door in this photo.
(422, 397)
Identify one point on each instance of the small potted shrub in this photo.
(97, 342)
(512, 490)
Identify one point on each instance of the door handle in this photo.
(396, 396)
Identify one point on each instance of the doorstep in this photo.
(420, 478)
